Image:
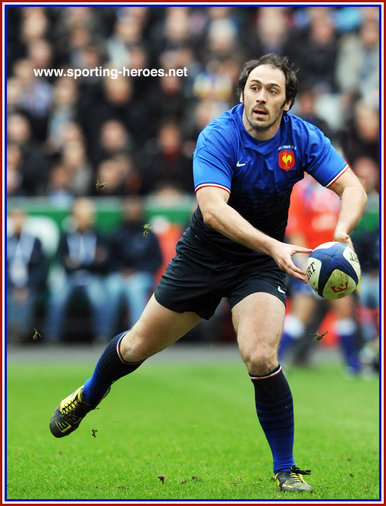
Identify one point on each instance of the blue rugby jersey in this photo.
(259, 175)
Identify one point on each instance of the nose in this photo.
(261, 95)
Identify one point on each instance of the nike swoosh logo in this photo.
(280, 289)
(238, 164)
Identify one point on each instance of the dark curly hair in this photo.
(280, 62)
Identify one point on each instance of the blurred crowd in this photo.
(136, 135)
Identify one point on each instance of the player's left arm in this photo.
(353, 199)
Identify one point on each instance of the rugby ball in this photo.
(333, 270)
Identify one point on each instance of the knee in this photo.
(135, 347)
(260, 360)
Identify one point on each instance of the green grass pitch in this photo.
(187, 431)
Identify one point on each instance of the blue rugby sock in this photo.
(274, 409)
(346, 330)
(109, 368)
(349, 349)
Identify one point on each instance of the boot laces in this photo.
(296, 473)
(74, 408)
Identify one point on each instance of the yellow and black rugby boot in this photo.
(292, 480)
(70, 412)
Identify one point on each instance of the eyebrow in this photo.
(267, 84)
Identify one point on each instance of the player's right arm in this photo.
(353, 200)
(217, 214)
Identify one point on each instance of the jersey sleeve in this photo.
(213, 159)
(323, 162)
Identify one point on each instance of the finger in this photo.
(296, 272)
(300, 277)
(301, 249)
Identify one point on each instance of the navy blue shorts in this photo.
(196, 279)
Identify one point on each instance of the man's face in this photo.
(264, 101)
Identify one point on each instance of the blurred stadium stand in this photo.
(136, 136)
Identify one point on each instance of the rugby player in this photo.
(245, 165)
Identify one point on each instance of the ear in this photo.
(242, 97)
(287, 105)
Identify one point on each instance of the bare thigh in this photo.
(157, 328)
(258, 321)
(303, 306)
(344, 308)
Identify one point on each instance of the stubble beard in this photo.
(263, 128)
(258, 127)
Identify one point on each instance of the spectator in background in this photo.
(34, 24)
(222, 39)
(83, 255)
(117, 176)
(214, 83)
(216, 12)
(33, 164)
(74, 160)
(78, 28)
(143, 86)
(128, 30)
(201, 20)
(14, 94)
(315, 51)
(203, 113)
(271, 29)
(360, 135)
(165, 161)
(114, 114)
(127, 46)
(174, 30)
(63, 111)
(72, 131)
(357, 69)
(90, 91)
(214, 88)
(40, 54)
(136, 256)
(182, 57)
(14, 175)
(231, 67)
(71, 173)
(121, 104)
(35, 97)
(168, 100)
(59, 190)
(305, 108)
(114, 139)
(26, 276)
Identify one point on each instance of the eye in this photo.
(273, 91)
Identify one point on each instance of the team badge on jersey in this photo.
(286, 159)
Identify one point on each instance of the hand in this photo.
(344, 238)
(282, 254)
